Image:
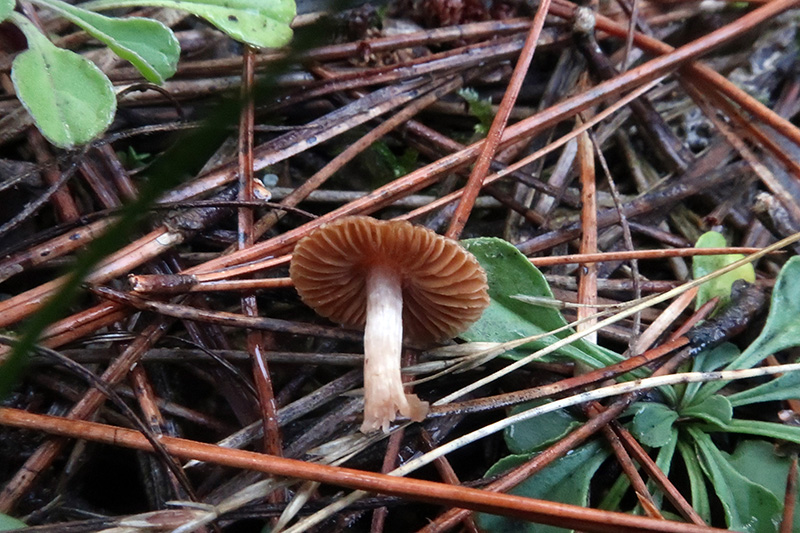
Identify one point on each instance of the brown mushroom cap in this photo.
(444, 286)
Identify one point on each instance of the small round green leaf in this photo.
(251, 21)
(652, 424)
(6, 8)
(715, 409)
(758, 462)
(256, 22)
(147, 44)
(70, 99)
(706, 264)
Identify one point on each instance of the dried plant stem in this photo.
(629, 468)
(637, 254)
(544, 391)
(646, 462)
(551, 147)
(587, 278)
(495, 134)
(790, 498)
(629, 390)
(440, 493)
(257, 340)
(560, 448)
(425, 176)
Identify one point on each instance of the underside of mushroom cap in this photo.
(444, 286)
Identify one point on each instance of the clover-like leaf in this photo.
(70, 99)
(507, 318)
(653, 423)
(147, 44)
(256, 22)
(705, 264)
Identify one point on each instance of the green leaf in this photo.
(664, 462)
(715, 409)
(782, 329)
(785, 387)
(755, 427)
(256, 22)
(6, 8)
(652, 424)
(613, 497)
(758, 462)
(534, 434)
(708, 361)
(697, 484)
(510, 273)
(70, 99)
(147, 44)
(7, 523)
(389, 166)
(480, 109)
(566, 480)
(706, 264)
(748, 506)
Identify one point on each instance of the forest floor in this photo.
(594, 167)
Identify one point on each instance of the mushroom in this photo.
(390, 278)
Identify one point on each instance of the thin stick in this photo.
(587, 277)
(565, 9)
(673, 494)
(439, 493)
(257, 340)
(790, 498)
(495, 135)
(628, 466)
(638, 254)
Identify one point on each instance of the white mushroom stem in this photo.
(383, 345)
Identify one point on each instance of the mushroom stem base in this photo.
(383, 343)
